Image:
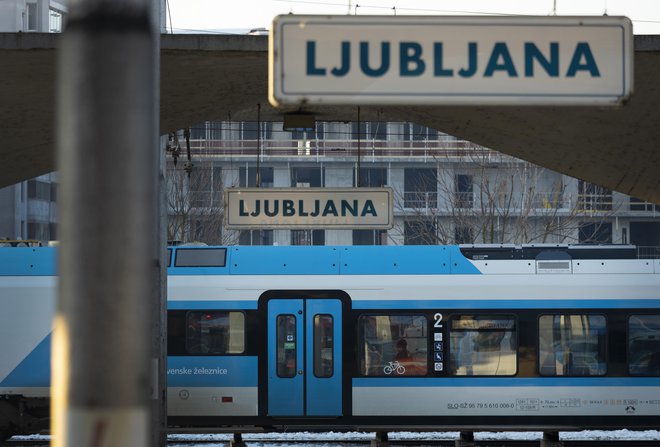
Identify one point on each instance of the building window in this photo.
(595, 233)
(38, 231)
(593, 197)
(463, 191)
(640, 205)
(256, 237)
(369, 237)
(55, 21)
(420, 188)
(39, 190)
(371, 177)
(247, 177)
(415, 132)
(307, 237)
(420, 231)
(306, 177)
(392, 345)
(644, 345)
(248, 130)
(215, 333)
(369, 130)
(32, 18)
(483, 346)
(308, 134)
(572, 345)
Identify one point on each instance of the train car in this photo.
(381, 338)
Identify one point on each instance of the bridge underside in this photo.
(212, 77)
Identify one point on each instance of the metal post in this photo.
(359, 155)
(107, 156)
(158, 295)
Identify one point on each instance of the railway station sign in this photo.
(412, 60)
(291, 208)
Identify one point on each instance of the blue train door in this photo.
(304, 357)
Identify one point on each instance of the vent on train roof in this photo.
(553, 267)
(547, 251)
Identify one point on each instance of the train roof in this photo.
(329, 260)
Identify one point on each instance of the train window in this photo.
(644, 345)
(286, 346)
(323, 344)
(572, 345)
(200, 257)
(393, 345)
(483, 346)
(215, 332)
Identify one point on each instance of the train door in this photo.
(304, 357)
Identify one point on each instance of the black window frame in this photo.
(216, 311)
(629, 352)
(191, 250)
(277, 347)
(494, 316)
(605, 338)
(317, 350)
(360, 338)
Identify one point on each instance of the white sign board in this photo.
(526, 60)
(332, 208)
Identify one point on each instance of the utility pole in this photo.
(102, 361)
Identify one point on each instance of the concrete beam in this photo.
(217, 77)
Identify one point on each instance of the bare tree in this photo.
(196, 205)
(480, 196)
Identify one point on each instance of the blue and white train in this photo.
(379, 338)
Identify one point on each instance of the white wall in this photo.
(10, 16)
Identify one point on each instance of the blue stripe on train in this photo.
(212, 304)
(458, 382)
(338, 260)
(506, 304)
(28, 261)
(212, 371)
(34, 370)
(440, 304)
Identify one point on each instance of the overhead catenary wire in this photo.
(429, 10)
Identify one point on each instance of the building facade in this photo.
(28, 208)
(32, 16)
(446, 190)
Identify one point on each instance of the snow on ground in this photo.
(261, 439)
(624, 435)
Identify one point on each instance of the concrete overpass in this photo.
(218, 77)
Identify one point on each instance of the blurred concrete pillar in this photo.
(103, 365)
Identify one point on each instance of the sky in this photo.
(189, 16)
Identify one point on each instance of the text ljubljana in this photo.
(291, 208)
(411, 59)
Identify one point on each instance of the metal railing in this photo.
(648, 252)
(346, 148)
(542, 201)
(420, 200)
